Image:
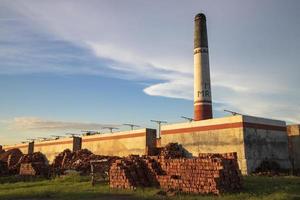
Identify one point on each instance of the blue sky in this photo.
(71, 65)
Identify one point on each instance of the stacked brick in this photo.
(131, 172)
(208, 173)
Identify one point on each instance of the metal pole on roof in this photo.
(42, 138)
(56, 137)
(159, 126)
(110, 128)
(89, 132)
(73, 134)
(131, 125)
(188, 118)
(232, 112)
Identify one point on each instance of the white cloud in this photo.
(174, 89)
(144, 43)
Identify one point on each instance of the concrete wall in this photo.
(221, 135)
(294, 145)
(52, 148)
(118, 144)
(121, 143)
(265, 139)
(254, 139)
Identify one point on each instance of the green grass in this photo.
(75, 187)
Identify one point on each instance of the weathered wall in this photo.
(221, 135)
(52, 148)
(254, 139)
(294, 145)
(120, 143)
(265, 139)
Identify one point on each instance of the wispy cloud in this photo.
(34, 123)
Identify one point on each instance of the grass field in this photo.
(75, 187)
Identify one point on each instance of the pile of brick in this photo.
(58, 163)
(12, 158)
(68, 160)
(34, 164)
(34, 169)
(34, 157)
(209, 173)
(80, 161)
(172, 150)
(3, 168)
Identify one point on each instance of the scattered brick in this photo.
(80, 161)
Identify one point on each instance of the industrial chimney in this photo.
(202, 89)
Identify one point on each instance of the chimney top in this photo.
(200, 16)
